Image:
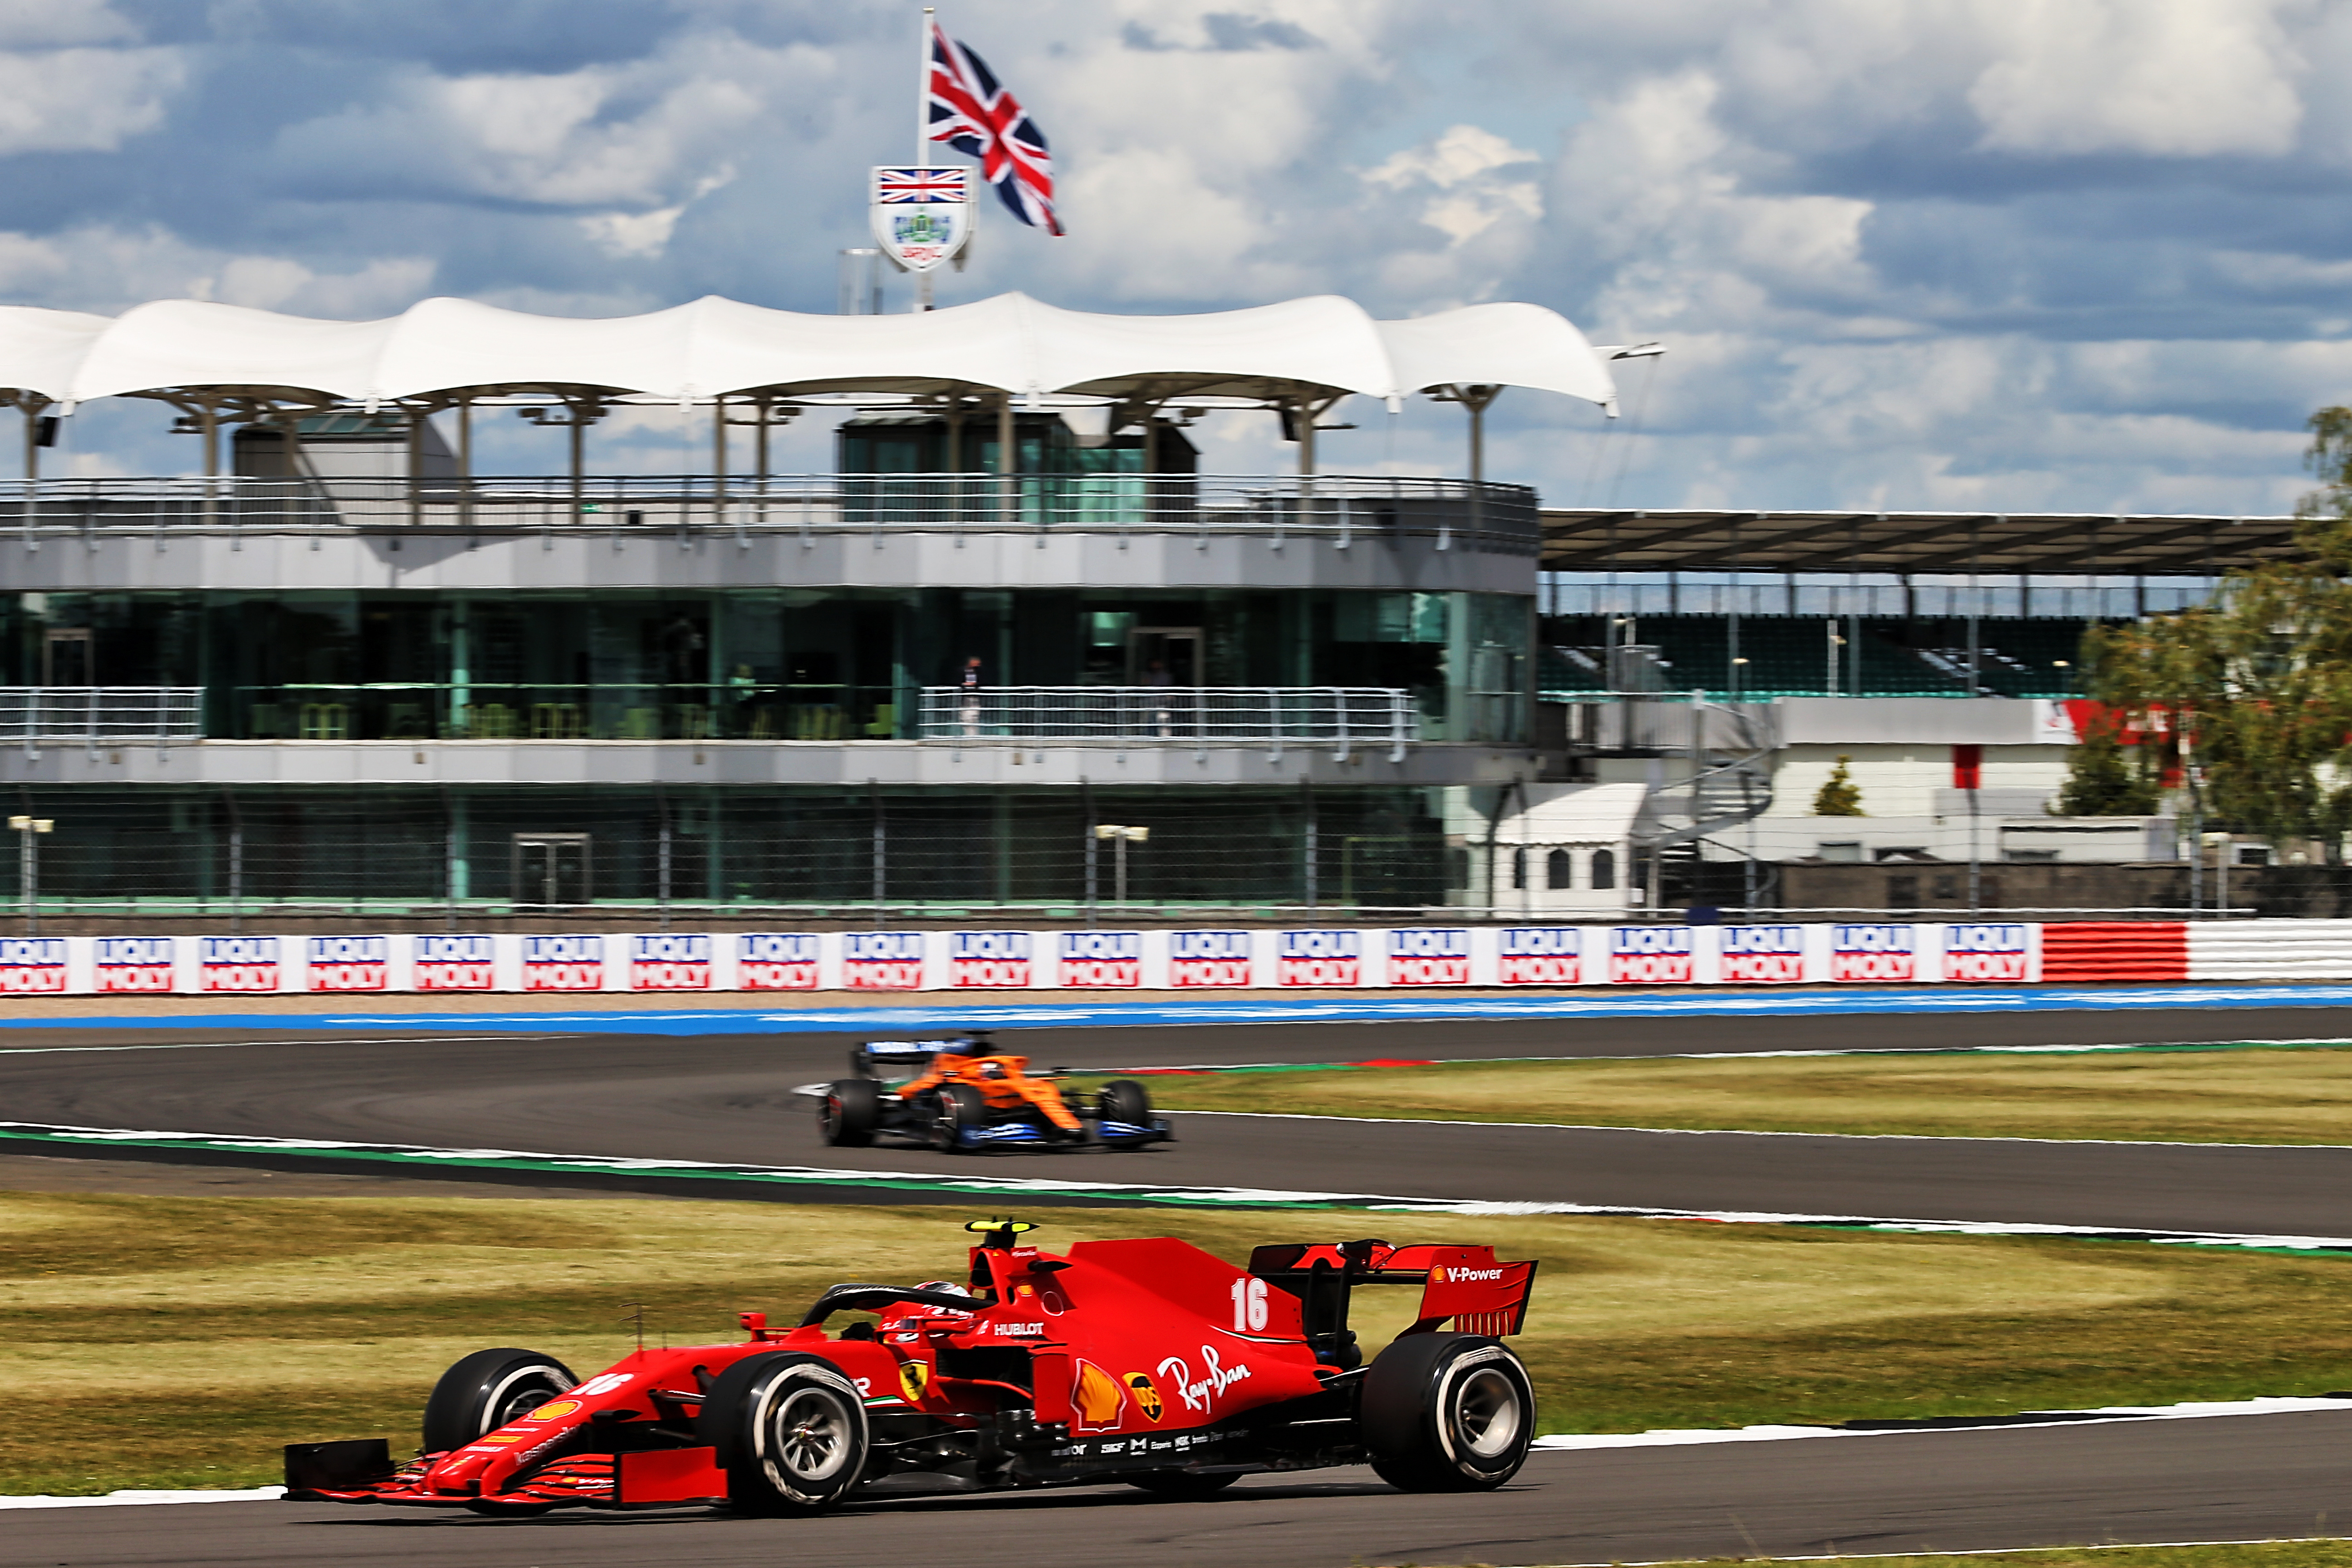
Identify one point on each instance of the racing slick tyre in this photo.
(1447, 1412)
(487, 1389)
(790, 1431)
(851, 1110)
(1184, 1485)
(1123, 1099)
(960, 1107)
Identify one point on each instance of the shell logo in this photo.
(553, 1410)
(1096, 1397)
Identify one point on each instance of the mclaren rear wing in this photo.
(1466, 1285)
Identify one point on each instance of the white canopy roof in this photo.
(715, 346)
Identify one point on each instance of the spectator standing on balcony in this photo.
(970, 684)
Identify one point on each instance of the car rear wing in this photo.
(871, 1057)
(1469, 1286)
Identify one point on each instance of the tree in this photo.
(1839, 794)
(2251, 693)
(2101, 781)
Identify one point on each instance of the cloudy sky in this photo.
(1997, 254)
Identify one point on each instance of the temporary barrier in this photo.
(1303, 959)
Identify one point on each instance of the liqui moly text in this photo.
(670, 962)
(1540, 955)
(237, 963)
(988, 960)
(882, 960)
(1318, 958)
(1649, 955)
(1102, 959)
(1207, 958)
(1874, 952)
(348, 962)
(31, 964)
(455, 964)
(134, 964)
(777, 961)
(563, 963)
(1429, 956)
(1985, 952)
(1769, 955)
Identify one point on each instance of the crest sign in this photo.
(922, 217)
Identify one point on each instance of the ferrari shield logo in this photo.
(921, 216)
(914, 1376)
(1146, 1396)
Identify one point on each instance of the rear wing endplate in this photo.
(1479, 1293)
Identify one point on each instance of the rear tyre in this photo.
(790, 1431)
(960, 1108)
(1123, 1099)
(1447, 1412)
(487, 1389)
(851, 1110)
(1184, 1485)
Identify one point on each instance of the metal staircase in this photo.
(1727, 756)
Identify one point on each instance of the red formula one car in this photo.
(1146, 1362)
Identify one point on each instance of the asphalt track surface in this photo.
(2234, 1478)
(728, 1099)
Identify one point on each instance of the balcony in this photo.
(1340, 508)
(59, 715)
(1342, 717)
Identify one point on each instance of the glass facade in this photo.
(832, 664)
(390, 851)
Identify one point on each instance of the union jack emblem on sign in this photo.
(921, 216)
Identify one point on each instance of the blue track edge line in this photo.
(977, 1014)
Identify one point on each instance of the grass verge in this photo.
(161, 1341)
(2300, 1095)
(2257, 1554)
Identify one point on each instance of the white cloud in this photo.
(1472, 193)
(83, 100)
(2179, 79)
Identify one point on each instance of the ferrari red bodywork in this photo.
(1147, 1361)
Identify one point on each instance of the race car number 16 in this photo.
(1249, 1306)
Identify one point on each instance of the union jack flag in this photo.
(920, 185)
(971, 113)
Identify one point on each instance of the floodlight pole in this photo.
(28, 830)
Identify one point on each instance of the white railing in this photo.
(1340, 716)
(60, 714)
(1343, 509)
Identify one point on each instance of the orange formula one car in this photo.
(1150, 1363)
(967, 1094)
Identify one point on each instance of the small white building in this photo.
(1567, 849)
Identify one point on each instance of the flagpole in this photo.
(923, 138)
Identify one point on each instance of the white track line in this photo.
(311, 1040)
(140, 1499)
(2105, 1416)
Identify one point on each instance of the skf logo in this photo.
(1763, 955)
(1198, 959)
(1984, 953)
(914, 1378)
(1146, 1394)
(455, 964)
(988, 960)
(882, 960)
(1094, 1398)
(1429, 956)
(669, 963)
(780, 961)
(563, 963)
(350, 962)
(1318, 958)
(1540, 955)
(1649, 955)
(1874, 952)
(1102, 959)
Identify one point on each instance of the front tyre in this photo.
(1123, 1101)
(961, 1109)
(850, 1111)
(790, 1431)
(1447, 1412)
(487, 1389)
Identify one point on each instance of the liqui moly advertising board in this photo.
(1429, 956)
(1102, 959)
(1202, 959)
(1539, 955)
(1762, 955)
(455, 964)
(563, 963)
(989, 960)
(237, 963)
(30, 965)
(1988, 952)
(133, 963)
(1652, 955)
(668, 962)
(1868, 952)
(1318, 958)
(776, 960)
(882, 960)
(347, 962)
